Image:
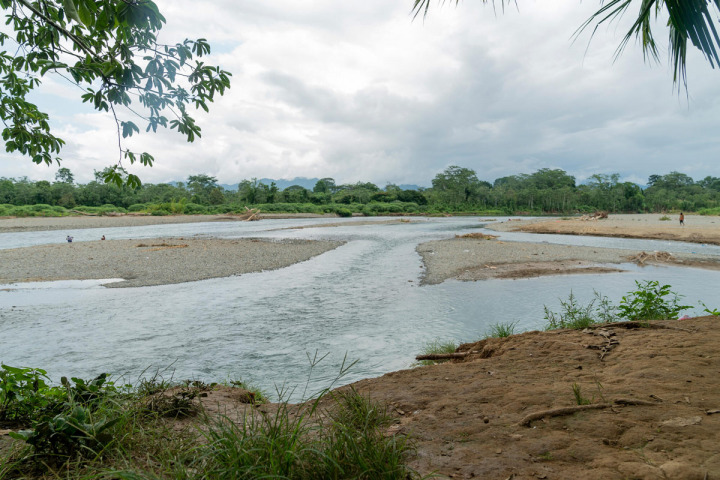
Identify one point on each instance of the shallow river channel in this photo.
(362, 301)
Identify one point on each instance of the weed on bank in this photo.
(96, 429)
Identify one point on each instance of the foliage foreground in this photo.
(96, 429)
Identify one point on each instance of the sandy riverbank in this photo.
(154, 261)
(697, 229)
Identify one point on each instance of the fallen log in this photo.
(443, 356)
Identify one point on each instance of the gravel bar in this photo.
(472, 259)
(157, 261)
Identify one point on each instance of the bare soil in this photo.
(697, 229)
(467, 416)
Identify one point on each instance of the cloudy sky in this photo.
(358, 91)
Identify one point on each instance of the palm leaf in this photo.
(687, 19)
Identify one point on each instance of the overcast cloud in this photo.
(359, 91)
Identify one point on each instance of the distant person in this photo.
(103, 237)
(682, 219)
(69, 239)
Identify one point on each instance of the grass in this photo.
(339, 434)
(665, 218)
(501, 330)
(435, 347)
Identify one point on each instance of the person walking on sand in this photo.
(682, 219)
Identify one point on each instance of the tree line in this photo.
(456, 189)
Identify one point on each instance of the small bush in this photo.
(651, 301)
(343, 212)
(576, 316)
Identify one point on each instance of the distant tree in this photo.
(216, 196)
(672, 180)
(295, 194)
(412, 196)
(64, 175)
(325, 185)
(455, 184)
(548, 178)
(712, 183)
(200, 186)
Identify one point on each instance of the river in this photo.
(360, 302)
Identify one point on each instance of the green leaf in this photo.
(71, 11)
(86, 16)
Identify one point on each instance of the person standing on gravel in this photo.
(682, 219)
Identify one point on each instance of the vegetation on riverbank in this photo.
(649, 301)
(456, 190)
(97, 429)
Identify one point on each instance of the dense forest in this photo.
(456, 190)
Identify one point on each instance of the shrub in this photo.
(197, 209)
(137, 207)
(649, 302)
(343, 212)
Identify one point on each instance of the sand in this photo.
(697, 228)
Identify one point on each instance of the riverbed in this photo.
(362, 301)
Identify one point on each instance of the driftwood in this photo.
(478, 235)
(443, 356)
(250, 215)
(557, 412)
(610, 342)
(643, 257)
(594, 216)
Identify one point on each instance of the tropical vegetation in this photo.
(455, 190)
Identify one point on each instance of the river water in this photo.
(360, 302)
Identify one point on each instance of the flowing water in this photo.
(362, 301)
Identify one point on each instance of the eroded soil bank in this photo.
(654, 405)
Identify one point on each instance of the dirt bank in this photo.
(654, 408)
(697, 228)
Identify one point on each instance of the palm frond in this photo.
(687, 19)
(423, 5)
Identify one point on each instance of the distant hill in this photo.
(282, 184)
(304, 182)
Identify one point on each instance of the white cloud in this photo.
(361, 92)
